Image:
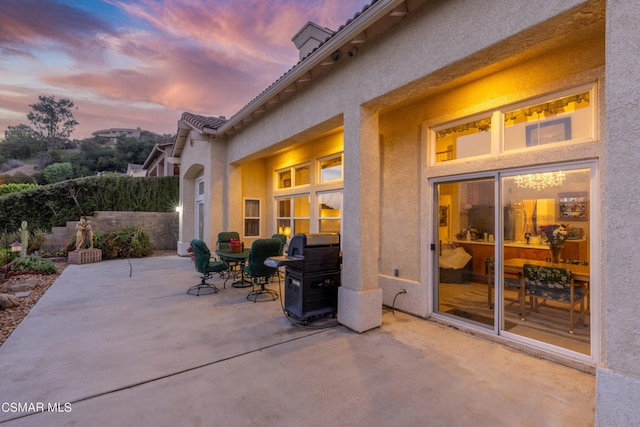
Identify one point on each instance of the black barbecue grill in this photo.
(312, 276)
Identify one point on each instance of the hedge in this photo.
(14, 188)
(53, 205)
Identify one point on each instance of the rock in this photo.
(27, 284)
(8, 301)
(23, 294)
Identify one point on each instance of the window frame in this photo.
(320, 169)
(291, 218)
(245, 217)
(292, 173)
(320, 218)
(498, 126)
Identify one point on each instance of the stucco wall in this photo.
(618, 378)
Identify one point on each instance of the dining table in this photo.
(236, 261)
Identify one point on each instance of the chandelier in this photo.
(538, 181)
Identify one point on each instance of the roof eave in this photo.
(374, 13)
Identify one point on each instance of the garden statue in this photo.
(84, 234)
(24, 238)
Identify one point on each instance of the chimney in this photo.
(310, 37)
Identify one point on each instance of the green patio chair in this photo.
(283, 239)
(207, 267)
(258, 273)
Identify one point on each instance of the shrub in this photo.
(6, 256)
(128, 242)
(14, 188)
(57, 172)
(33, 263)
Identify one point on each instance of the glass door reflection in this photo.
(466, 240)
(542, 214)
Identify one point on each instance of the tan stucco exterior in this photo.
(443, 61)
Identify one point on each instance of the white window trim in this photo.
(292, 218)
(245, 217)
(333, 218)
(292, 171)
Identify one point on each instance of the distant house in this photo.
(113, 134)
(135, 170)
(441, 139)
(159, 161)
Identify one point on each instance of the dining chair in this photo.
(512, 281)
(553, 283)
(207, 267)
(258, 273)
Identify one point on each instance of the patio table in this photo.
(236, 260)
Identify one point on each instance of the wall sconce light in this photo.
(178, 209)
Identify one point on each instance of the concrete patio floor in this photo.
(119, 343)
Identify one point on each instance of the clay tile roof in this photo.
(202, 122)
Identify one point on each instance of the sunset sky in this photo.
(130, 63)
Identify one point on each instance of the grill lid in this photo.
(301, 241)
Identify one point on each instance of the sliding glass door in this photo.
(546, 216)
(466, 236)
(522, 269)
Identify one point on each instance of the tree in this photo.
(53, 119)
(20, 142)
(57, 172)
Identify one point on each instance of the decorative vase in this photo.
(555, 254)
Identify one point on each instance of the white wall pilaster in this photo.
(360, 297)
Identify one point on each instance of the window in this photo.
(557, 120)
(329, 212)
(331, 168)
(251, 217)
(294, 177)
(199, 202)
(560, 118)
(293, 216)
(469, 139)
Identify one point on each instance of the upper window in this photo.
(560, 118)
(563, 119)
(294, 176)
(468, 139)
(330, 168)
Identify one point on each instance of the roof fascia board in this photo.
(363, 21)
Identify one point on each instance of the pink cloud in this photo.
(181, 55)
